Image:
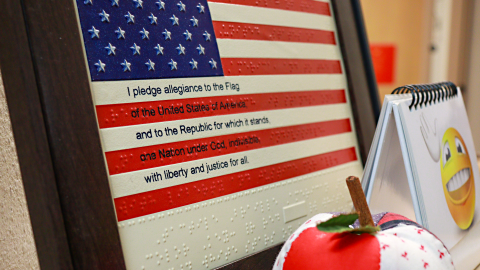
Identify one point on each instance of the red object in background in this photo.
(383, 57)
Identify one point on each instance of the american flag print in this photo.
(263, 122)
(283, 55)
(136, 39)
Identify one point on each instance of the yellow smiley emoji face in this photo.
(457, 178)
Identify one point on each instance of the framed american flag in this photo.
(191, 134)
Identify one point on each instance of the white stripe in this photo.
(269, 16)
(115, 92)
(133, 182)
(219, 215)
(119, 138)
(241, 48)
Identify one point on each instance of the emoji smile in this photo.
(458, 180)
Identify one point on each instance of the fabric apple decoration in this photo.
(386, 241)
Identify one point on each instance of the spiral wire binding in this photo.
(423, 94)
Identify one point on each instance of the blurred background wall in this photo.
(472, 72)
(424, 41)
(404, 26)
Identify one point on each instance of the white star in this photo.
(201, 9)
(188, 35)
(100, 66)
(193, 63)
(201, 50)
(167, 34)
(94, 33)
(194, 21)
(120, 33)
(138, 3)
(105, 16)
(153, 19)
(150, 65)
(206, 35)
(159, 49)
(161, 5)
(181, 6)
(144, 33)
(181, 49)
(136, 49)
(86, 2)
(126, 65)
(115, 3)
(111, 49)
(213, 63)
(172, 64)
(130, 18)
(174, 20)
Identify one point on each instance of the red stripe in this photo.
(167, 198)
(308, 6)
(128, 160)
(234, 30)
(116, 115)
(275, 66)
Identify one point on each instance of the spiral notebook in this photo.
(422, 162)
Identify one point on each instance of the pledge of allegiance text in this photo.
(154, 91)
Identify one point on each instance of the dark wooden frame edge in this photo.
(65, 152)
(31, 141)
(72, 131)
(359, 71)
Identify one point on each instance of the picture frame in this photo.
(58, 143)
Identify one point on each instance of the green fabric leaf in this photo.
(366, 229)
(341, 224)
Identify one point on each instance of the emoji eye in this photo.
(446, 153)
(459, 145)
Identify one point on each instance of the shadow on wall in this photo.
(17, 246)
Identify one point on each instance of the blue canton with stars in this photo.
(136, 39)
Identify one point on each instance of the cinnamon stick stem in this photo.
(359, 201)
